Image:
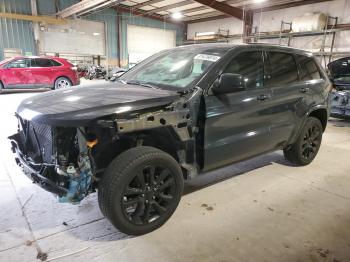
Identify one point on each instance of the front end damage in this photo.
(56, 159)
(70, 161)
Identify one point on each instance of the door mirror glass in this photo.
(228, 83)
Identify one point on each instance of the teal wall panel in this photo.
(16, 33)
(19, 34)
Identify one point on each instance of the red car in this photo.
(37, 72)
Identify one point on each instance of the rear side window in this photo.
(55, 63)
(42, 62)
(283, 69)
(308, 68)
(250, 66)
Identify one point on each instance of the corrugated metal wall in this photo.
(19, 34)
(16, 33)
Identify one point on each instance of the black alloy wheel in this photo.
(149, 195)
(311, 142)
(306, 147)
(140, 190)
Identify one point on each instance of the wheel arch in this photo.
(163, 138)
(321, 114)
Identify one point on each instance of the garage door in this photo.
(145, 41)
(79, 37)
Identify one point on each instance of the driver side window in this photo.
(250, 65)
(19, 63)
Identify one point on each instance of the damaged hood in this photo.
(77, 106)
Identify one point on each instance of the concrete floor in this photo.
(259, 210)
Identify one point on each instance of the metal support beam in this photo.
(287, 5)
(34, 18)
(135, 12)
(167, 7)
(224, 8)
(36, 28)
(150, 2)
(80, 7)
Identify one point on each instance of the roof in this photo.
(230, 46)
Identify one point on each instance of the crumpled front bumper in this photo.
(36, 172)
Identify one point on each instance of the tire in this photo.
(305, 149)
(126, 193)
(62, 82)
(1, 87)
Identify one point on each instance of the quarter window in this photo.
(308, 68)
(250, 66)
(283, 69)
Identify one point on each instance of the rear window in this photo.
(282, 69)
(42, 62)
(55, 63)
(308, 68)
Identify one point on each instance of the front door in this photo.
(237, 124)
(15, 74)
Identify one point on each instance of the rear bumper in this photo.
(35, 172)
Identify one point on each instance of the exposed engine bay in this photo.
(70, 161)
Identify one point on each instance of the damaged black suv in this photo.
(172, 117)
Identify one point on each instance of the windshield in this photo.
(5, 61)
(178, 68)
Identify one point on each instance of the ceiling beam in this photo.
(128, 10)
(150, 2)
(34, 18)
(223, 8)
(168, 7)
(288, 5)
(253, 7)
(80, 7)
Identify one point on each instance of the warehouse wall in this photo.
(16, 33)
(127, 18)
(234, 25)
(271, 21)
(19, 34)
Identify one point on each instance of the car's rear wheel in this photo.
(140, 190)
(62, 82)
(305, 149)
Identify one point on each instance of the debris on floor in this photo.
(42, 256)
(207, 207)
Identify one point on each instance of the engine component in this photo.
(80, 180)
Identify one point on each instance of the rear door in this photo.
(289, 95)
(237, 123)
(43, 72)
(15, 73)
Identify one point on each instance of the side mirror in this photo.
(228, 83)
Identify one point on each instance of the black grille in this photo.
(37, 141)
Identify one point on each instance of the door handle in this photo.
(263, 97)
(304, 90)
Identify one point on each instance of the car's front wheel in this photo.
(62, 82)
(1, 87)
(305, 149)
(140, 190)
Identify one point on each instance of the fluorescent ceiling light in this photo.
(177, 15)
(96, 34)
(259, 1)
